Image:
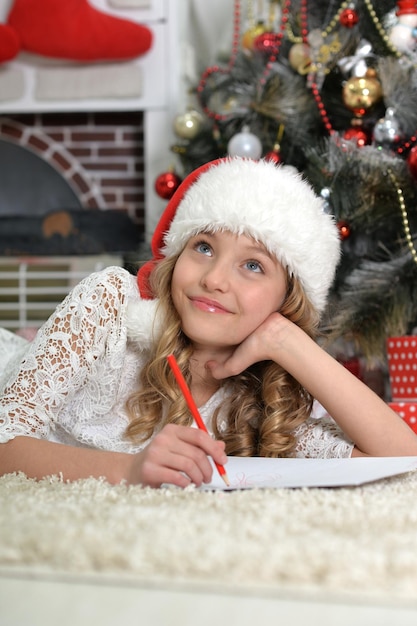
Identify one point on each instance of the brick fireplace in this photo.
(100, 157)
(106, 142)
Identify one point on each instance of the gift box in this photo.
(407, 411)
(402, 367)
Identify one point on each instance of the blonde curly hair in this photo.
(264, 404)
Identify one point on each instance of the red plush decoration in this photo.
(74, 30)
(9, 43)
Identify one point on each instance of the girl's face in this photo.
(224, 286)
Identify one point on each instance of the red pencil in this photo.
(193, 407)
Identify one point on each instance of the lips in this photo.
(210, 306)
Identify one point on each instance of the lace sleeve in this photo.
(321, 437)
(62, 357)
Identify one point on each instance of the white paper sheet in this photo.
(251, 473)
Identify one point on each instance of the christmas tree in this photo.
(329, 88)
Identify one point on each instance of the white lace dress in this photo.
(71, 383)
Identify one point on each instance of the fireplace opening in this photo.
(71, 184)
(31, 186)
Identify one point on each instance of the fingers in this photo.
(178, 455)
(267, 342)
(219, 371)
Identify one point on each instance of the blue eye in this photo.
(203, 247)
(254, 266)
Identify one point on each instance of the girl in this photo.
(244, 256)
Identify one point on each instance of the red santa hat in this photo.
(406, 7)
(272, 204)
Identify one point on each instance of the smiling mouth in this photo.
(209, 306)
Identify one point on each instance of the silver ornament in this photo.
(325, 193)
(245, 144)
(387, 130)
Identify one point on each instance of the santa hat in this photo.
(269, 202)
(406, 7)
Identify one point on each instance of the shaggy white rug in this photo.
(354, 540)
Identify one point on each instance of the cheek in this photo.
(260, 305)
(272, 299)
(178, 275)
(179, 281)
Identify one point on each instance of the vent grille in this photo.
(30, 289)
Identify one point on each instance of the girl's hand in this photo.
(267, 342)
(178, 455)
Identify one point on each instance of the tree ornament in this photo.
(380, 29)
(412, 161)
(274, 155)
(344, 230)
(245, 144)
(387, 130)
(349, 18)
(403, 35)
(188, 125)
(167, 184)
(360, 93)
(356, 134)
(299, 58)
(215, 69)
(404, 215)
(325, 193)
(358, 63)
(249, 36)
(267, 43)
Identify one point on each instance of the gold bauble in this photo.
(188, 125)
(299, 58)
(362, 92)
(251, 34)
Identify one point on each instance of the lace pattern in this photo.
(71, 383)
(321, 437)
(73, 379)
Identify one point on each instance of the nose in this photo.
(217, 276)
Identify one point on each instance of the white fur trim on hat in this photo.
(271, 203)
(143, 323)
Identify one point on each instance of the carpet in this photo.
(350, 540)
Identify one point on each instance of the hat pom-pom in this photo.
(143, 323)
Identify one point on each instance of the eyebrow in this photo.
(249, 248)
(254, 249)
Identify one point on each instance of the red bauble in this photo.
(412, 161)
(167, 184)
(267, 43)
(344, 229)
(349, 18)
(357, 135)
(273, 156)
